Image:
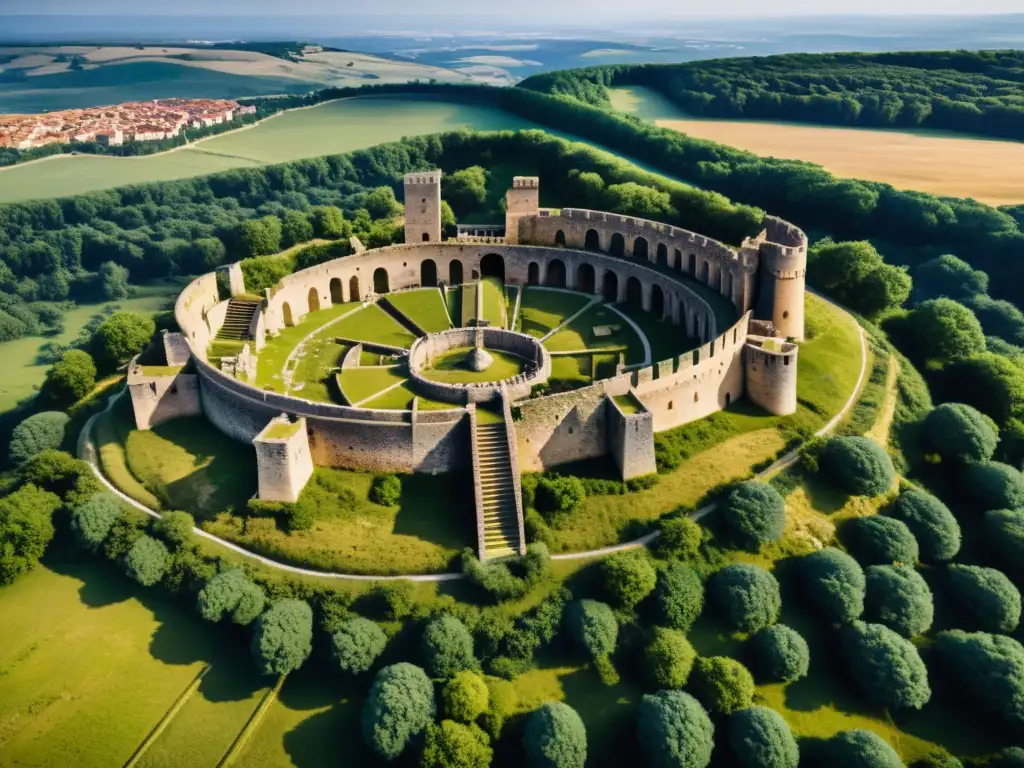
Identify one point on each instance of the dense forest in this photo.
(972, 92)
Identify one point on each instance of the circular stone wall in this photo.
(431, 346)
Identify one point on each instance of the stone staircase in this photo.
(238, 319)
(498, 492)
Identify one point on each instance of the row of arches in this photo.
(586, 281)
(491, 265)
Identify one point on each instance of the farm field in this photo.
(985, 169)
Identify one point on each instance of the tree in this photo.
(834, 585)
(92, 520)
(122, 336)
(400, 706)
(722, 684)
(386, 490)
(231, 594)
(465, 697)
(930, 521)
(995, 485)
(628, 577)
(146, 561)
(635, 199)
(39, 432)
(447, 647)
(465, 189)
(261, 237)
(675, 731)
(861, 749)
(949, 276)
(69, 379)
(747, 597)
(296, 229)
(779, 654)
(885, 666)
(175, 528)
(1004, 528)
(380, 202)
(857, 465)
(357, 644)
(555, 737)
(991, 383)
(854, 274)
(454, 745)
(986, 597)
(283, 638)
(679, 596)
(943, 329)
(26, 529)
(556, 496)
(60, 473)
(755, 514)
(958, 432)
(593, 627)
(669, 658)
(899, 598)
(878, 540)
(114, 281)
(989, 669)
(680, 538)
(760, 738)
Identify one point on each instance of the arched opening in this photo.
(313, 297)
(428, 273)
(533, 274)
(493, 265)
(426, 237)
(634, 293)
(353, 289)
(727, 284)
(728, 399)
(585, 278)
(662, 255)
(336, 291)
(592, 241)
(555, 277)
(286, 310)
(560, 238)
(610, 288)
(657, 302)
(455, 273)
(618, 245)
(640, 248)
(705, 276)
(380, 280)
(678, 263)
(693, 265)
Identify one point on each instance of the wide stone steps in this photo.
(498, 491)
(238, 320)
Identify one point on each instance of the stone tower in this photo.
(783, 271)
(283, 462)
(769, 366)
(522, 199)
(423, 207)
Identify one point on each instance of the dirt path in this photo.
(879, 432)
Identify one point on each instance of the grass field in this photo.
(494, 301)
(374, 325)
(451, 367)
(579, 335)
(423, 307)
(453, 300)
(985, 169)
(467, 303)
(666, 340)
(273, 356)
(359, 384)
(541, 311)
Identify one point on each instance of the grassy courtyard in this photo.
(579, 334)
(494, 301)
(452, 367)
(372, 324)
(358, 384)
(272, 358)
(424, 307)
(541, 310)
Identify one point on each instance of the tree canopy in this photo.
(755, 514)
(555, 737)
(858, 465)
(930, 521)
(230, 594)
(779, 654)
(26, 529)
(399, 707)
(675, 731)
(958, 432)
(899, 598)
(885, 666)
(39, 432)
(283, 638)
(834, 585)
(447, 647)
(357, 644)
(746, 596)
(760, 738)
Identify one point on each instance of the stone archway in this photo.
(705, 273)
(692, 269)
(455, 272)
(640, 249)
(428, 273)
(618, 246)
(560, 238)
(634, 293)
(592, 242)
(555, 277)
(493, 265)
(678, 263)
(662, 255)
(353, 289)
(380, 280)
(610, 287)
(657, 302)
(533, 274)
(286, 310)
(313, 297)
(337, 296)
(585, 278)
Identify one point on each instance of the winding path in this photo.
(87, 451)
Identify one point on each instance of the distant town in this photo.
(114, 125)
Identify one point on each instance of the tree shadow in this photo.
(437, 509)
(232, 677)
(608, 712)
(102, 583)
(824, 497)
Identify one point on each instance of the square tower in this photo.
(522, 199)
(283, 462)
(423, 207)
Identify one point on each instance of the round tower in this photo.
(769, 367)
(783, 271)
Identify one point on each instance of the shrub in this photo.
(175, 528)
(986, 596)
(26, 529)
(861, 749)
(958, 432)
(593, 627)
(283, 638)
(628, 577)
(680, 537)
(454, 745)
(989, 669)
(556, 496)
(1004, 528)
(679, 597)
(722, 684)
(555, 737)
(447, 647)
(747, 597)
(878, 540)
(834, 584)
(40, 432)
(930, 521)
(779, 654)
(69, 379)
(386, 490)
(91, 522)
(898, 597)
(755, 514)
(231, 594)
(502, 703)
(995, 485)
(669, 658)
(857, 465)
(465, 697)
(147, 561)
(943, 329)
(508, 579)
(121, 336)
(60, 473)
(400, 706)
(675, 731)
(885, 666)
(357, 644)
(760, 738)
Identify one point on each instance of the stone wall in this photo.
(561, 428)
(631, 440)
(522, 199)
(423, 207)
(191, 308)
(771, 373)
(283, 462)
(156, 399)
(176, 351)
